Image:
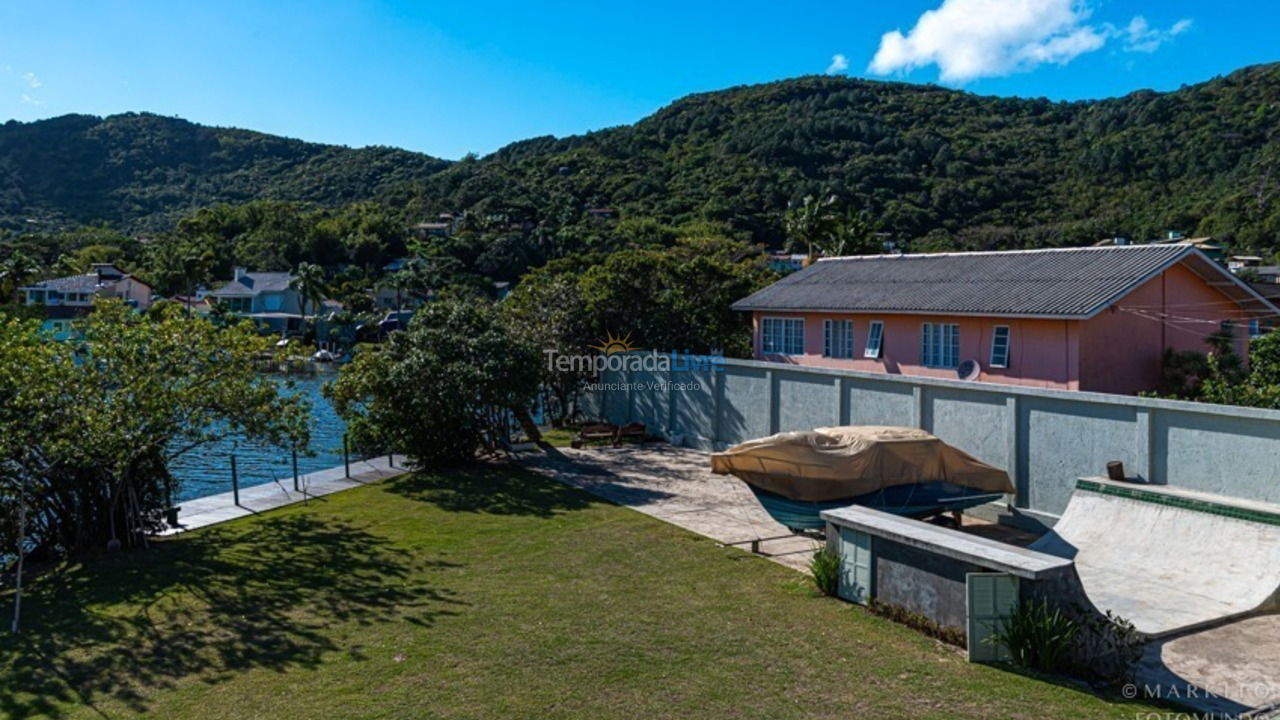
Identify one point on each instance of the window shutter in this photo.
(826, 338)
(992, 598)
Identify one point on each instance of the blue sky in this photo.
(451, 77)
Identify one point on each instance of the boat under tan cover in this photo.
(832, 463)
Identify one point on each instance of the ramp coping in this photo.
(1194, 500)
(972, 549)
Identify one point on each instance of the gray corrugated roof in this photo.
(252, 283)
(71, 284)
(1074, 282)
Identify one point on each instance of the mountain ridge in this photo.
(932, 166)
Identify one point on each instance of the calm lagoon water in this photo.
(207, 470)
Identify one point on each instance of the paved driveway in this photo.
(676, 485)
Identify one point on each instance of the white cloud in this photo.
(28, 100)
(1140, 37)
(839, 63)
(33, 82)
(969, 39)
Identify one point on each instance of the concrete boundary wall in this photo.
(1044, 438)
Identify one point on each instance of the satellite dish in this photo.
(968, 370)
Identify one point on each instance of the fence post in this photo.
(235, 481)
(295, 470)
(391, 459)
(1013, 450)
(1145, 444)
(346, 456)
(774, 412)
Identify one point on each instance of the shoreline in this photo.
(254, 499)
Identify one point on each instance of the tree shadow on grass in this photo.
(266, 594)
(495, 489)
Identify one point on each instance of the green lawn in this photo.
(558, 437)
(563, 437)
(490, 593)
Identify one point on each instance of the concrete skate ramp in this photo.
(1169, 559)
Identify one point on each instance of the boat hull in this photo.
(916, 500)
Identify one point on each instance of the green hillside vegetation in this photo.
(934, 167)
(925, 167)
(140, 172)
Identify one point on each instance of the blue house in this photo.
(265, 297)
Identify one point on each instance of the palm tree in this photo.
(811, 223)
(194, 268)
(15, 270)
(853, 234)
(308, 280)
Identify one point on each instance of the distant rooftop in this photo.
(252, 283)
(102, 275)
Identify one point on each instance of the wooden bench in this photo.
(607, 431)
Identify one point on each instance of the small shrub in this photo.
(1037, 636)
(916, 621)
(1108, 648)
(825, 567)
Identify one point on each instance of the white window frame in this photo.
(1000, 362)
(940, 345)
(1255, 328)
(875, 339)
(788, 334)
(836, 344)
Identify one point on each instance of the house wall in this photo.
(286, 301)
(1042, 353)
(130, 290)
(1121, 348)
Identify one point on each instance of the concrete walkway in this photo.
(1225, 671)
(676, 485)
(214, 509)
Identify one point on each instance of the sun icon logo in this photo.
(613, 344)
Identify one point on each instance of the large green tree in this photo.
(547, 311)
(677, 298)
(1258, 386)
(442, 391)
(16, 269)
(88, 428)
(179, 265)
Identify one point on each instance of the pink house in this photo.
(1075, 318)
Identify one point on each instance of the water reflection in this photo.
(207, 470)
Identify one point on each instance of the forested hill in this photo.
(972, 171)
(936, 167)
(141, 172)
